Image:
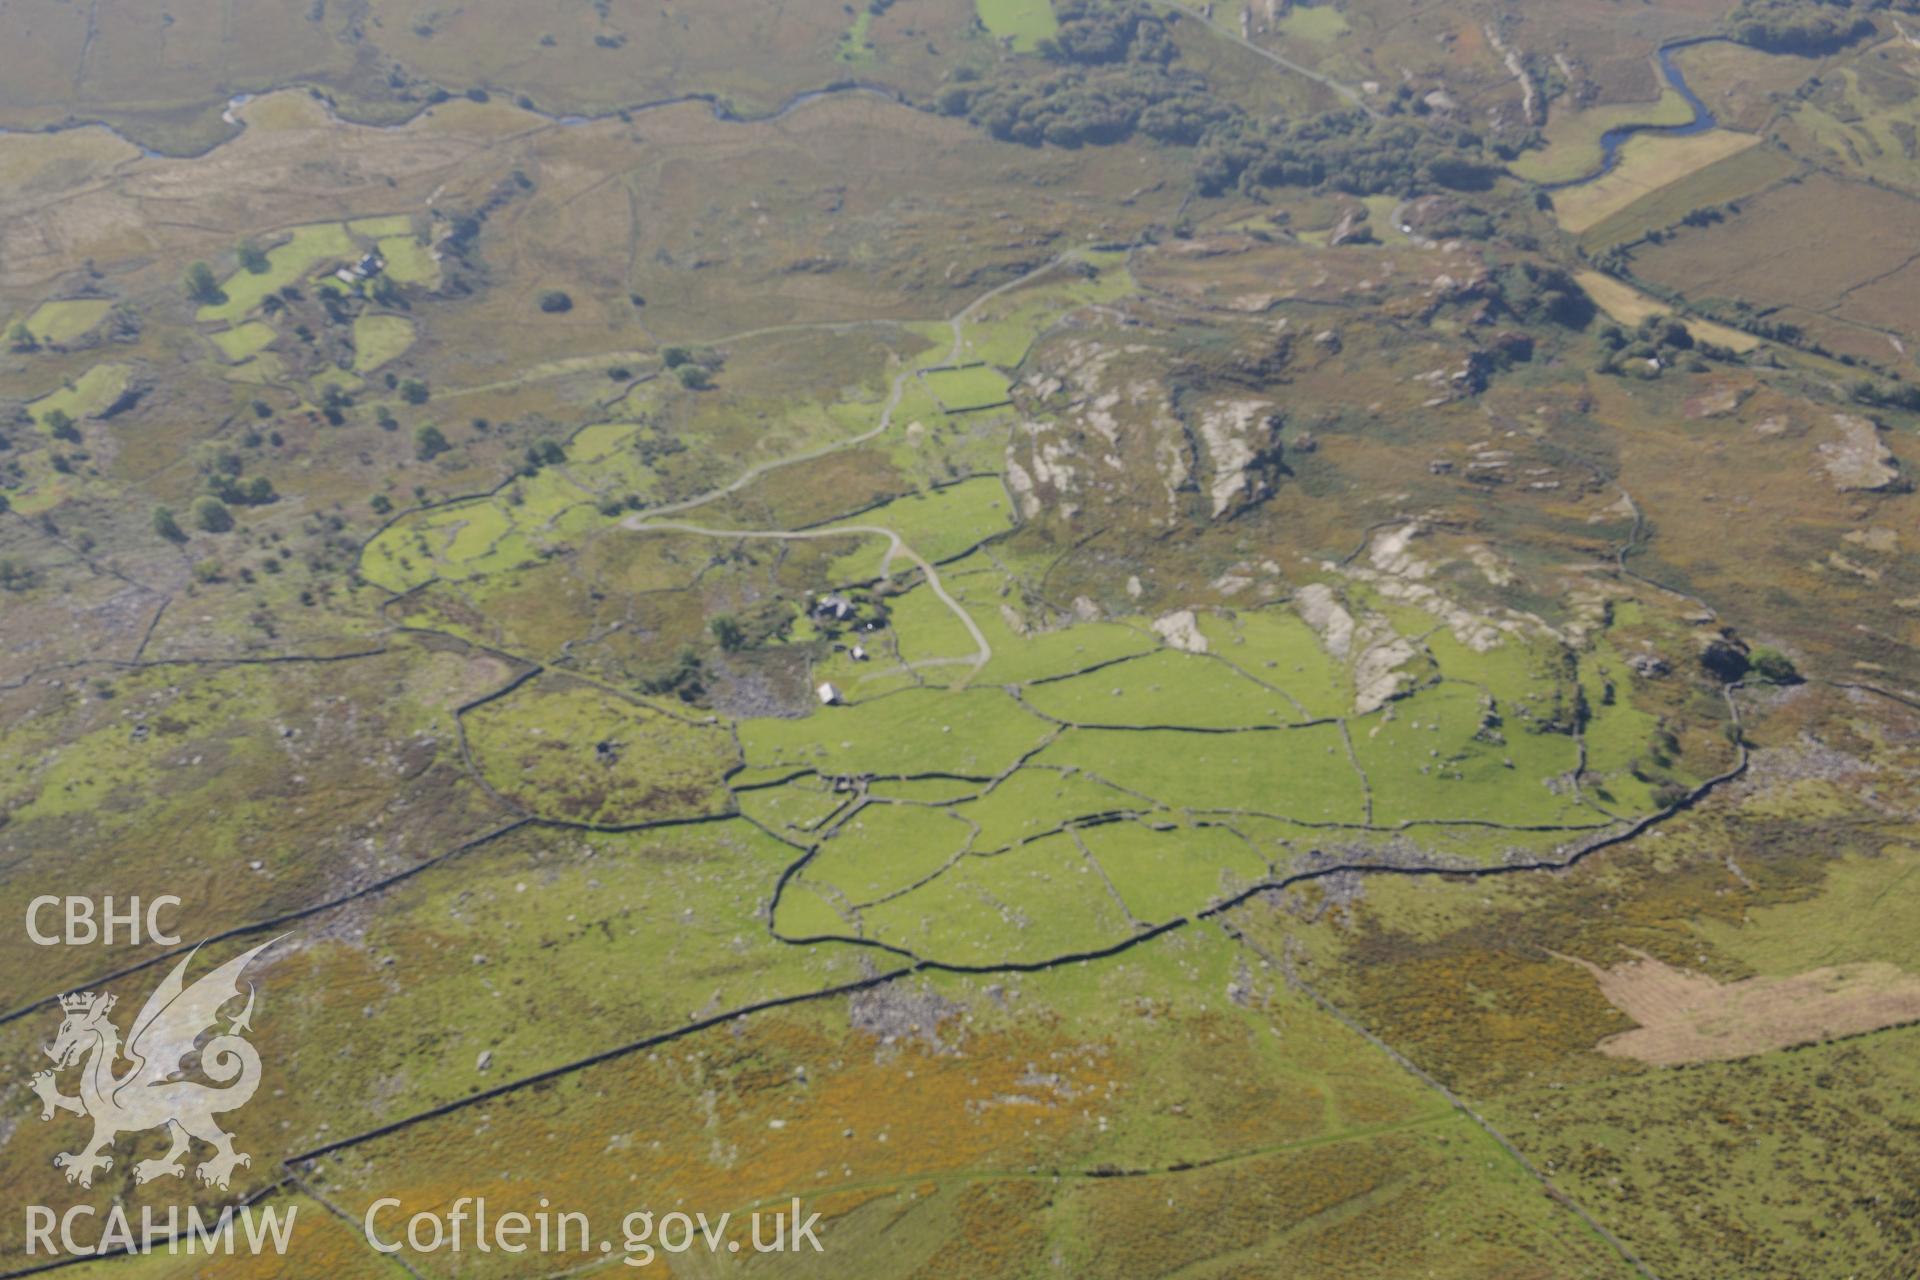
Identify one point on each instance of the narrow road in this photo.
(1345, 90)
(895, 547)
(956, 322)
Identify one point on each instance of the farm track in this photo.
(895, 547)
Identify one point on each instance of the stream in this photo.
(1613, 139)
(721, 111)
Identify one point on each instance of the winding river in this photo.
(721, 111)
(1613, 139)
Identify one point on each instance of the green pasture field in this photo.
(1275, 647)
(243, 340)
(1317, 23)
(1035, 801)
(1163, 688)
(1022, 22)
(885, 849)
(379, 339)
(409, 261)
(63, 320)
(1302, 773)
(1044, 899)
(1432, 760)
(287, 263)
(88, 396)
(792, 810)
(854, 47)
(924, 629)
(1160, 873)
(977, 733)
(971, 387)
(382, 228)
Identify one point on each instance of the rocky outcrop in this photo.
(1108, 433)
(1243, 452)
(1857, 459)
(1181, 630)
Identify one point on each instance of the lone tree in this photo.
(166, 526)
(555, 301)
(414, 391)
(21, 338)
(428, 442)
(693, 377)
(201, 285)
(212, 515)
(252, 257)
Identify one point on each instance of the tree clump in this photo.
(1538, 290)
(1111, 73)
(1658, 343)
(1346, 151)
(1807, 27)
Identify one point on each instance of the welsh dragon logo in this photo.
(153, 1091)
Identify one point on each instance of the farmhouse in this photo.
(829, 695)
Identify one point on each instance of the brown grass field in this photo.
(1765, 254)
(1685, 1017)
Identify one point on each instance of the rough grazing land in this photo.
(981, 615)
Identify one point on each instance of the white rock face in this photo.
(1181, 630)
(1119, 439)
(1858, 459)
(1377, 674)
(1322, 611)
(1229, 434)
